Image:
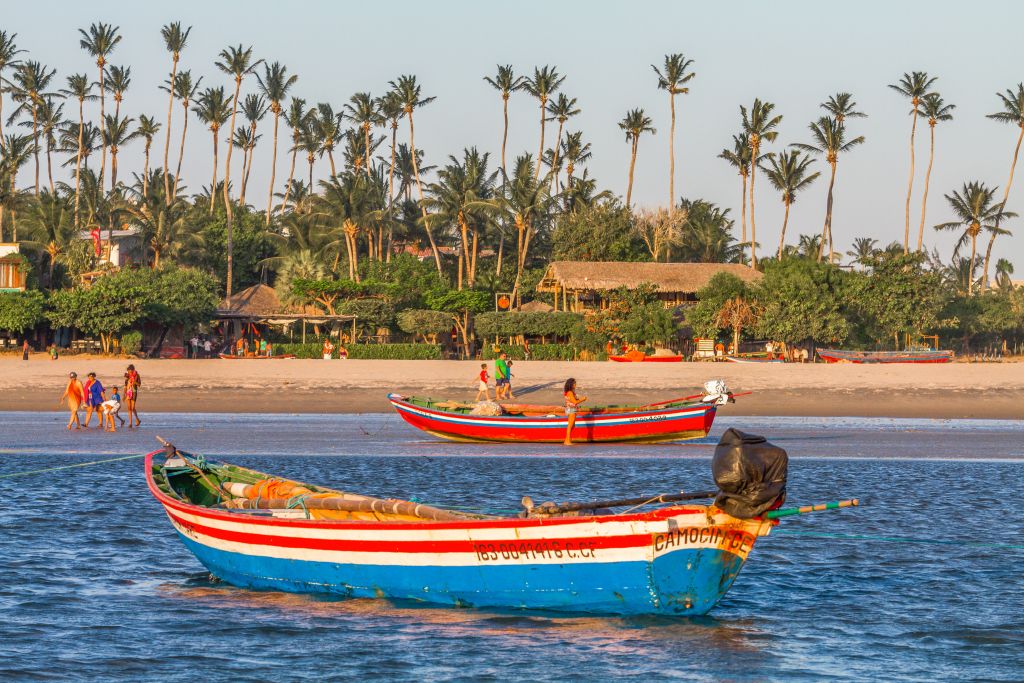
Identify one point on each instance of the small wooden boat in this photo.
(255, 531)
(230, 356)
(751, 359)
(871, 357)
(641, 357)
(674, 420)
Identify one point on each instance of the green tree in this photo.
(898, 296)
(759, 126)
(935, 109)
(113, 303)
(213, 110)
(975, 211)
(1012, 113)
(601, 232)
(80, 88)
(788, 173)
(99, 41)
(739, 158)
(28, 89)
(425, 323)
(703, 316)
(544, 83)
(274, 84)
(672, 78)
(914, 86)
(182, 296)
(8, 59)
(185, 90)
(52, 229)
(635, 123)
(801, 300)
(561, 109)
(20, 311)
(175, 40)
(147, 130)
(707, 234)
(506, 83)
(461, 305)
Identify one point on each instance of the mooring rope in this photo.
(898, 539)
(66, 467)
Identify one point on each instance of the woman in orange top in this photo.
(75, 394)
(572, 402)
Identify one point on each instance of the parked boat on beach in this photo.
(641, 357)
(753, 359)
(255, 531)
(870, 357)
(231, 356)
(678, 419)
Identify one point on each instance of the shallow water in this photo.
(921, 583)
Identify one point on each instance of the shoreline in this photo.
(953, 391)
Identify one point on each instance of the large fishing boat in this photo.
(255, 531)
(871, 357)
(678, 419)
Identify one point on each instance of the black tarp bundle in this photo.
(750, 473)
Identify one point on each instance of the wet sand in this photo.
(957, 390)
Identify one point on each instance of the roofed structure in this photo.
(579, 284)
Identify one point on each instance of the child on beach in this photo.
(482, 388)
(111, 409)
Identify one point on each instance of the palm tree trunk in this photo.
(213, 183)
(419, 187)
(540, 151)
(49, 165)
(1006, 195)
(310, 159)
(35, 145)
(501, 250)
(391, 169)
(504, 135)
(785, 222)
(113, 166)
(753, 228)
(910, 181)
(245, 177)
(181, 150)
(145, 171)
(629, 184)
(554, 159)
(474, 252)
(672, 151)
(927, 181)
(103, 122)
(273, 167)
(167, 137)
(827, 230)
(970, 272)
(291, 173)
(743, 214)
(366, 134)
(227, 194)
(78, 160)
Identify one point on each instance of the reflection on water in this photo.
(89, 561)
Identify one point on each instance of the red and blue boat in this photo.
(674, 420)
(872, 357)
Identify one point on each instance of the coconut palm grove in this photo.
(366, 215)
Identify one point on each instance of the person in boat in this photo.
(572, 403)
(74, 394)
(132, 382)
(482, 386)
(93, 399)
(501, 376)
(111, 409)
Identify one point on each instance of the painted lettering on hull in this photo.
(534, 550)
(732, 540)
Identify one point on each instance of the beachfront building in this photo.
(581, 286)
(241, 313)
(13, 274)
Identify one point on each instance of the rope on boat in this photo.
(66, 467)
(898, 539)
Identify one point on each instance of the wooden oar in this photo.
(558, 508)
(834, 505)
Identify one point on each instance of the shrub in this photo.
(537, 352)
(419, 321)
(131, 342)
(20, 311)
(515, 323)
(365, 351)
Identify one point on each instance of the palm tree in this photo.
(160, 219)
(147, 130)
(1004, 269)
(51, 229)
(759, 126)
(575, 151)
(254, 108)
(362, 109)
(708, 235)
(31, 79)
(99, 41)
(975, 211)
(213, 110)
(329, 130)
(310, 141)
(671, 78)
(117, 133)
(462, 197)
(296, 120)
(118, 80)
(913, 86)
(175, 40)
(562, 108)
(505, 82)
(390, 108)
(409, 94)
(830, 141)
(863, 250)
(788, 173)
(185, 90)
(274, 85)
(935, 109)
(841, 106)
(17, 150)
(1012, 113)
(545, 82)
(51, 117)
(80, 88)
(8, 53)
(526, 200)
(739, 158)
(635, 123)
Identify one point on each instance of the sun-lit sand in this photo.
(989, 390)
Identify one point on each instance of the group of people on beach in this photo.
(92, 396)
(502, 379)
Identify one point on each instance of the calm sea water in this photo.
(95, 585)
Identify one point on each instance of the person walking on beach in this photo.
(132, 382)
(207, 348)
(74, 393)
(194, 344)
(482, 386)
(24, 350)
(263, 347)
(572, 403)
(93, 399)
(328, 349)
(501, 376)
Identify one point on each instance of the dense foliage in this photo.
(20, 311)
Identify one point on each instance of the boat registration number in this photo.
(532, 550)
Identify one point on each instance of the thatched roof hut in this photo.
(577, 284)
(252, 302)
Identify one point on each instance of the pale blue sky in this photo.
(794, 54)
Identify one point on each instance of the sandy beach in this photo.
(957, 390)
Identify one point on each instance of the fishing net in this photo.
(750, 473)
(486, 408)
